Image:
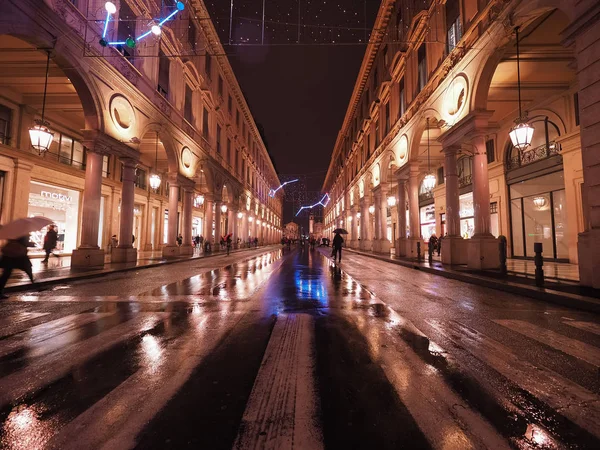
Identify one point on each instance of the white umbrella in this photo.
(22, 227)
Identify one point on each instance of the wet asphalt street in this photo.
(264, 349)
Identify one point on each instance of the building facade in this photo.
(425, 147)
(121, 115)
(291, 230)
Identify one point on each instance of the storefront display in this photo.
(427, 214)
(467, 216)
(61, 206)
(196, 226)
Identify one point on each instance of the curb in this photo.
(26, 286)
(543, 294)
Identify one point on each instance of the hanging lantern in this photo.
(540, 202)
(155, 181)
(40, 135)
(521, 134)
(372, 209)
(199, 200)
(391, 201)
(429, 181)
(223, 208)
(240, 215)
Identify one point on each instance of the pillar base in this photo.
(87, 257)
(455, 250)
(123, 255)
(588, 247)
(411, 248)
(483, 253)
(381, 246)
(170, 251)
(186, 250)
(354, 244)
(148, 247)
(401, 247)
(366, 245)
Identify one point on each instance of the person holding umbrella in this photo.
(14, 252)
(338, 240)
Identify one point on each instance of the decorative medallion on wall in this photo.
(361, 188)
(122, 114)
(248, 203)
(402, 150)
(186, 157)
(455, 99)
(376, 175)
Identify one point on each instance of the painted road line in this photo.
(575, 348)
(52, 367)
(445, 418)
(577, 404)
(47, 331)
(282, 411)
(115, 421)
(585, 326)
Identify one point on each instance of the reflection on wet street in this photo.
(280, 348)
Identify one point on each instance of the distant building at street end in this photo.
(291, 230)
(318, 228)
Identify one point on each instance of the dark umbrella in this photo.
(340, 231)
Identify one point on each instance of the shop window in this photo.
(218, 139)
(230, 104)
(494, 222)
(105, 166)
(427, 219)
(187, 107)
(402, 102)
(126, 29)
(192, 34)
(467, 215)
(490, 151)
(422, 66)
(205, 123)
(576, 107)
(140, 178)
(5, 124)
(208, 65)
(453, 25)
(440, 175)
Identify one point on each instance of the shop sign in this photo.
(56, 196)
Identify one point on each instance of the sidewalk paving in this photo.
(565, 293)
(58, 270)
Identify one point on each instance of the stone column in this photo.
(354, 228)
(365, 219)
(384, 246)
(171, 249)
(125, 251)
(483, 250)
(413, 212)
(377, 233)
(233, 219)
(244, 236)
(208, 220)
(454, 247)
(401, 220)
(218, 231)
(89, 254)
(188, 204)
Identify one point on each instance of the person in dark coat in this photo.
(338, 240)
(50, 241)
(14, 256)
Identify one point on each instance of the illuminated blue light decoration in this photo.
(323, 202)
(272, 192)
(155, 28)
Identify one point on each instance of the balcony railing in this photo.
(425, 196)
(530, 156)
(465, 181)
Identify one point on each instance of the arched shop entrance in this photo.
(536, 185)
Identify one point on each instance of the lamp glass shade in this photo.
(429, 181)
(521, 135)
(223, 208)
(371, 209)
(199, 199)
(358, 215)
(110, 7)
(155, 181)
(240, 215)
(540, 202)
(250, 219)
(391, 201)
(41, 137)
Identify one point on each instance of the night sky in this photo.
(299, 82)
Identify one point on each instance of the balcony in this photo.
(425, 196)
(530, 156)
(465, 181)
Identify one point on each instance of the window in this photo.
(453, 26)
(375, 77)
(228, 151)
(490, 151)
(126, 29)
(164, 65)
(5, 116)
(229, 104)
(208, 65)
(402, 103)
(237, 118)
(387, 117)
(105, 166)
(192, 34)
(422, 67)
(220, 86)
(376, 133)
(368, 146)
(205, 123)
(218, 139)
(575, 105)
(68, 151)
(543, 144)
(385, 56)
(237, 161)
(440, 175)
(187, 108)
(140, 178)
(465, 171)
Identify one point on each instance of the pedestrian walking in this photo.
(179, 240)
(228, 243)
(14, 256)
(432, 245)
(338, 240)
(114, 242)
(50, 240)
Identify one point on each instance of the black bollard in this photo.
(539, 264)
(419, 250)
(502, 244)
